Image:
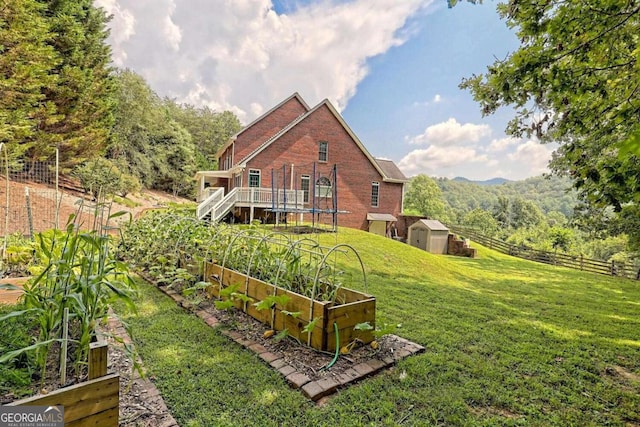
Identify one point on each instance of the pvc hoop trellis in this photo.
(305, 240)
(266, 237)
(317, 251)
(317, 278)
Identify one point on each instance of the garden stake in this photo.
(65, 343)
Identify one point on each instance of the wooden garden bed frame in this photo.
(354, 308)
(94, 402)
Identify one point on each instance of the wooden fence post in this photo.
(98, 359)
(613, 268)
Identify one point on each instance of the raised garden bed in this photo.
(91, 402)
(350, 308)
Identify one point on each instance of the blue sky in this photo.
(392, 67)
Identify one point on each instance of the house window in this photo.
(323, 187)
(304, 186)
(375, 193)
(323, 151)
(237, 180)
(254, 177)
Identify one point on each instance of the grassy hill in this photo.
(508, 342)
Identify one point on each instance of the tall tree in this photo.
(575, 80)
(138, 114)
(147, 142)
(27, 61)
(482, 220)
(525, 213)
(209, 129)
(83, 93)
(424, 197)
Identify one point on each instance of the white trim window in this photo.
(323, 188)
(323, 151)
(375, 194)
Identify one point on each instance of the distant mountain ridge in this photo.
(549, 193)
(492, 181)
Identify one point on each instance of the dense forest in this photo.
(548, 193)
(542, 213)
(59, 90)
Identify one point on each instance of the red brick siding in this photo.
(355, 172)
(268, 126)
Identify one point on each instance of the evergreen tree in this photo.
(83, 92)
(26, 69)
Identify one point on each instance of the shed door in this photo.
(419, 238)
(378, 227)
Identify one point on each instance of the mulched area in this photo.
(304, 359)
(303, 367)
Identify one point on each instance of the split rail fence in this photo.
(577, 262)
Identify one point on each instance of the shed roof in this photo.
(391, 170)
(380, 217)
(433, 224)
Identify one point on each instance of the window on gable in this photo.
(323, 187)
(323, 151)
(375, 194)
(304, 186)
(254, 177)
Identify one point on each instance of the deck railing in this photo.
(216, 194)
(250, 196)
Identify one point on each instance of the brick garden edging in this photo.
(313, 390)
(153, 401)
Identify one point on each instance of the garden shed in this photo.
(380, 223)
(430, 235)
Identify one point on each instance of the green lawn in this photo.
(508, 342)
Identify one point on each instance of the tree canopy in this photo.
(161, 142)
(575, 80)
(55, 85)
(27, 60)
(424, 197)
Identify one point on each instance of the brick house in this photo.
(297, 163)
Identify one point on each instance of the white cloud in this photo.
(122, 28)
(534, 155)
(451, 133)
(435, 160)
(172, 32)
(437, 98)
(241, 55)
(502, 143)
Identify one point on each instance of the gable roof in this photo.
(391, 170)
(432, 224)
(234, 136)
(385, 176)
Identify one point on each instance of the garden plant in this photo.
(76, 275)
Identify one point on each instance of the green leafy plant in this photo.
(231, 295)
(77, 273)
(270, 302)
(312, 324)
